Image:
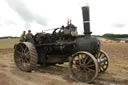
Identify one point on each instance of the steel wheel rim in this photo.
(84, 67)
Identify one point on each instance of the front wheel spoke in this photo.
(76, 61)
(79, 60)
(91, 70)
(76, 72)
(86, 75)
(90, 74)
(89, 61)
(97, 55)
(77, 66)
(103, 65)
(103, 57)
(103, 61)
(100, 54)
(88, 66)
(81, 75)
(86, 57)
(106, 62)
(82, 56)
(102, 68)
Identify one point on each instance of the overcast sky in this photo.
(106, 16)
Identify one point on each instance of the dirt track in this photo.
(59, 75)
(10, 75)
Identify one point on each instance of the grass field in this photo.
(118, 69)
(8, 43)
(117, 73)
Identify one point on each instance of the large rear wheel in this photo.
(83, 67)
(25, 56)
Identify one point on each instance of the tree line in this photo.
(6, 37)
(115, 36)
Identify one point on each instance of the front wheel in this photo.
(103, 61)
(83, 67)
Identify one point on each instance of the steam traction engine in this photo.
(83, 52)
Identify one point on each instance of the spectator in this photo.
(29, 37)
(22, 37)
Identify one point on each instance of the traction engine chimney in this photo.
(86, 19)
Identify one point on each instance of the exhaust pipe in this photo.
(86, 20)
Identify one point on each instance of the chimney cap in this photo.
(84, 3)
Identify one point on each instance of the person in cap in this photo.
(29, 37)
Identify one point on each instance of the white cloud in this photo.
(104, 14)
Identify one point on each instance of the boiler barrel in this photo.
(89, 44)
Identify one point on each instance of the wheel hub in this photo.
(82, 67)
(23, 56)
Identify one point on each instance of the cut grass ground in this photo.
(118, 69)
(116, 74)
(8, 43)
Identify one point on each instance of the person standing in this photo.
(22, 37)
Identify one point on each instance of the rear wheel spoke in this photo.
(27, 54)
(20, 59)
(22, 49)
(18, 52)
(25, 49)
